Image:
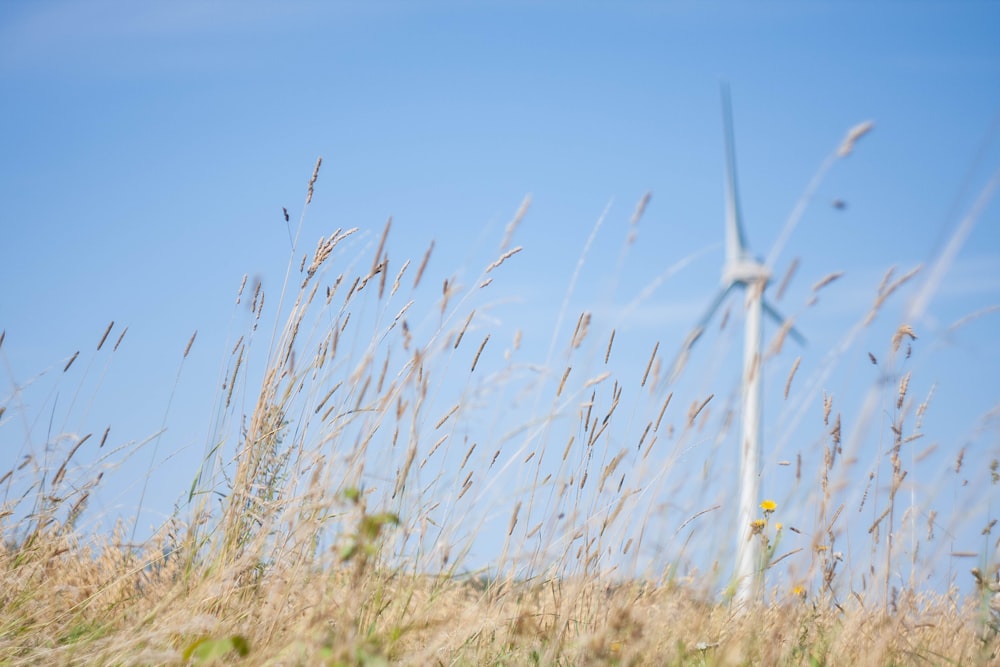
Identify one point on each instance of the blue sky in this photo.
(147, 151)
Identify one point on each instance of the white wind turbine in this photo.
(743, 270)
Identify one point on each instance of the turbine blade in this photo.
(736, 244)
(780, 320)
(681, 359)
(710, 311)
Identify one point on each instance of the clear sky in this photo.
(147, 150)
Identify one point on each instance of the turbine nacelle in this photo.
(744, 271)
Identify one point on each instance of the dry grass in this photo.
(78, 607)
(331, 524)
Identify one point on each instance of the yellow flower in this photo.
(757, 525)
(799, 591)
(777, 526)
(768, 506)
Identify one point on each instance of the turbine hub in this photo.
(744, 270)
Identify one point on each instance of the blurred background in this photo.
(147, 152)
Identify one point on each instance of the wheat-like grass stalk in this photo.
(332, 523)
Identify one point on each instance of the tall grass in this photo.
(366, 453)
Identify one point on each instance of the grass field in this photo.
(332, 523)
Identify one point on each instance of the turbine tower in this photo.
(743, 270)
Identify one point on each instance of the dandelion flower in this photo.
(757, 525)
(768, 506)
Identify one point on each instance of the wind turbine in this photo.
(743, 270)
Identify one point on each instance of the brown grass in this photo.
(330, 524)
(80, 606)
